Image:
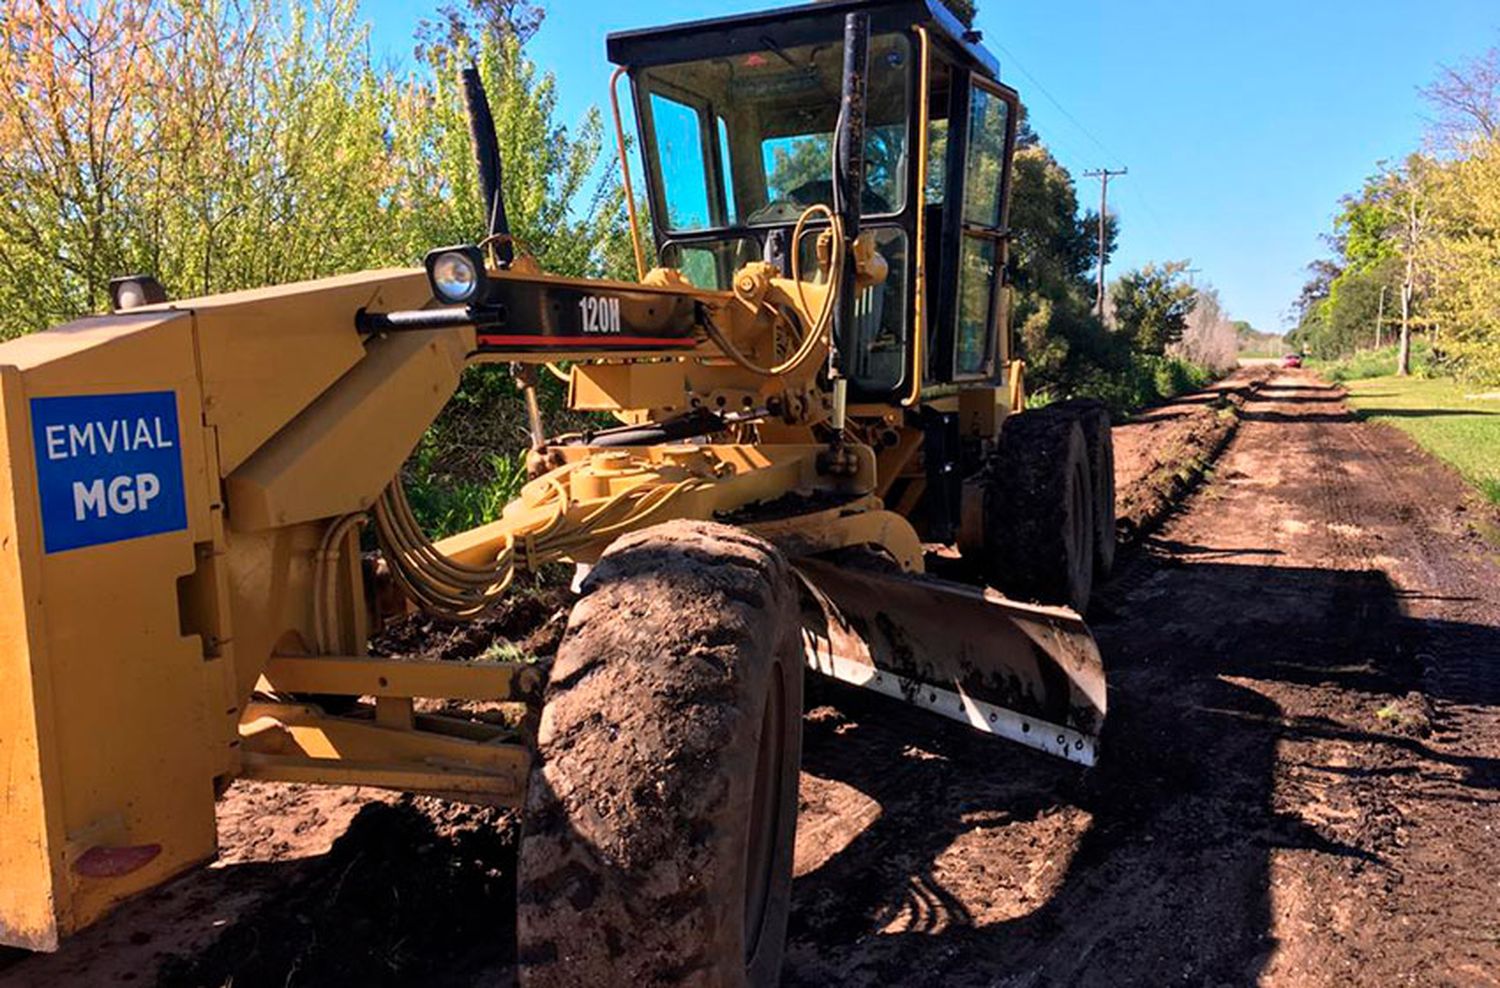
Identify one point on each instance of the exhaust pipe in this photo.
(487, 157)
(849, 161)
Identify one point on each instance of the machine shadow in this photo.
(1164, 849)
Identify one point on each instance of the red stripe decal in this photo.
(585, 342)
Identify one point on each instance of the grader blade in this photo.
(1024, 672)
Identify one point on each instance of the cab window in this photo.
(979, 250)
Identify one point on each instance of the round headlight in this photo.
(454, 276)
(129, 295)
(132, 291)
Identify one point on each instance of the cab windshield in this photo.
(747, 139)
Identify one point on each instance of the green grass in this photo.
(1373, 363)
(1441, 417)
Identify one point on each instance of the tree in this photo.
(1053, 250)
(1152, 305)
(460, 24)
(1467, 100)
(1210, 339)
(229, 146)
(1408, 194)
(1339, 306)
(1461, 254)
(1427, 233)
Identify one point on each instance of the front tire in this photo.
(661, 816)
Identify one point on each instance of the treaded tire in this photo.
(1039, 524)
(658, 835)
(1093, 418)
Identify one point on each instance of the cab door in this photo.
(972, 345)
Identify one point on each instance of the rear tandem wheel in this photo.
(1039, 499)
(1093, 418)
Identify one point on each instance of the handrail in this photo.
(919, 308)
(635, 226)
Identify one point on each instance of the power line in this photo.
(1109, 152)
(1060, 108)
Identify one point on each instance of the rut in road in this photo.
(1301, 780)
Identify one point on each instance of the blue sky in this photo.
(1242, 121)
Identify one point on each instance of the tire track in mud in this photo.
(1268, 807)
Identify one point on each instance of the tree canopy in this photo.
(1426, 230)
(1152, 305)
(227, 146)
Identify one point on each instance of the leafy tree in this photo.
(557, 209)
(1462, 257)
(175, 139)
(1427, 232)
(227, 146)
(1152, 305)
(459, 24)
(1340, 305)
(1054, 249)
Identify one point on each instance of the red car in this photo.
(1292, 360)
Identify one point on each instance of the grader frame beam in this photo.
(364, 675)
(446, 756)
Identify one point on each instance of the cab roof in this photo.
(787, 27)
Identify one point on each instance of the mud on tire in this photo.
(1039, 525)
(658, 835)
(1093, 418)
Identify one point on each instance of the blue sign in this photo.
(109, 467)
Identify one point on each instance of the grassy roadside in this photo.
(1372, 363)
(1457, 423)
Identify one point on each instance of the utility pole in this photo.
(1379, 316)
(1103, 175)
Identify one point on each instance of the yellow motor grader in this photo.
(816, 397)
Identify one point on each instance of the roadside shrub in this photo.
(1141, 380)
(446, 504)
(1376, 363)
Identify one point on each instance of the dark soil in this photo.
(417, 891)
(1267, 809)
(531, 618)
(1164, 452)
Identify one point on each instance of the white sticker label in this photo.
(600, 315)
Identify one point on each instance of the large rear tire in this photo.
(1098, 436)
(1039, 512)
(658, 838)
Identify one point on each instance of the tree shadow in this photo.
(418, 891)
(1166, 872)
(1374, 411)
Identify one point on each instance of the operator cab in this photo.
(737, 118)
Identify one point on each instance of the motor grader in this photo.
(817, 402)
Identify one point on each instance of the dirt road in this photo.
(1302, 764)
(1300, 782)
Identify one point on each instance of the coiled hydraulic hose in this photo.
(446, 588)
(836, 261)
